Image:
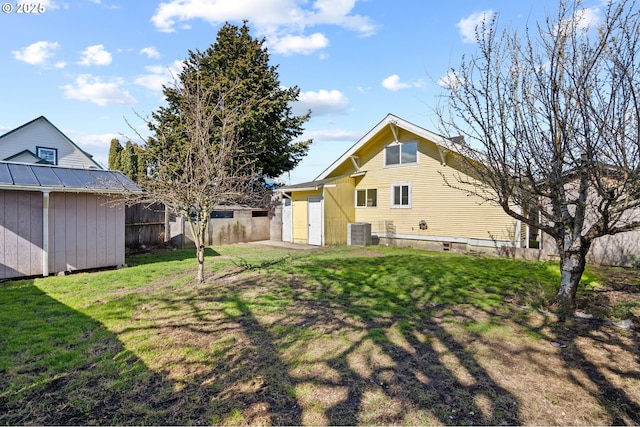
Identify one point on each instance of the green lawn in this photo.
(335, 336)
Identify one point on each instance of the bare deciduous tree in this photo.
(550, 119)
(203, 167)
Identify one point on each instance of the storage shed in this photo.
(58, 219)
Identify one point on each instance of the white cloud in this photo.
(95, 55)
(102, 141)
(323, 102)
(299, 44)
(48, 4)
(93, 89)
(468, 26)
(36, 53)
(589, 17)
(338, 12)
(281, 21)
(158, 75)
(150, 52)
(332, 135)
(450, 80)
(393, 83)
(584, 19)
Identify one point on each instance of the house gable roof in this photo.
(65, 137)
(32, 177)
(389, 120)
(310, 185)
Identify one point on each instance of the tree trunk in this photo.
(198, 231)
(200, 254)
(572, 264)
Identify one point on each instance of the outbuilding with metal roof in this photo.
(59, 219)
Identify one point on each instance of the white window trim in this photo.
(399, 165)
(400, 184)
(366, 190)
(39, 150)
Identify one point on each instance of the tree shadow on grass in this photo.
(400, 339)
(404, 354)
(428, 324)
(356, 345)
(605, 356)
(61, 367)
(168, 255)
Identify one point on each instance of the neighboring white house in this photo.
(40, 142)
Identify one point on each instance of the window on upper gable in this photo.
(48, 154)
(403, 153)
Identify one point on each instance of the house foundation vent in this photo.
(359, 234)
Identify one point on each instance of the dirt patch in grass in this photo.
(351, 339)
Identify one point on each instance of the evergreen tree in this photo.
(141, 163)
(129, 161)
(114, 154)
(237, 65)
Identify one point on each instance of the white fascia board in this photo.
(64, 189)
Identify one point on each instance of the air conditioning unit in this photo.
(359, 234)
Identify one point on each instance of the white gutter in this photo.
(282, 190)
(65, 189)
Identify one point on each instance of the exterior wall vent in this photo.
(359, 234)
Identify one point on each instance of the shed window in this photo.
(221, 214)
(403, 153)
(367, 198)
(48, 154)
(401, 196)
(258, 214)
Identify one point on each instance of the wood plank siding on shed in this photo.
(55, 219)
(86, 231)
(20, 233)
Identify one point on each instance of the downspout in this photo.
(45, 233)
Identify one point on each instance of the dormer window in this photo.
(48, 154)
(402, 153)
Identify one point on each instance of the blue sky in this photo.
(91, 66)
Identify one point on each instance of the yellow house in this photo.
(391, 180)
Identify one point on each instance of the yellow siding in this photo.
(339, 210)
(300, 214)
(448, 212)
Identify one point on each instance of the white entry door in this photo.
(315, 221)
(287, 223)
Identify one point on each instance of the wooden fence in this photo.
(145, 226)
